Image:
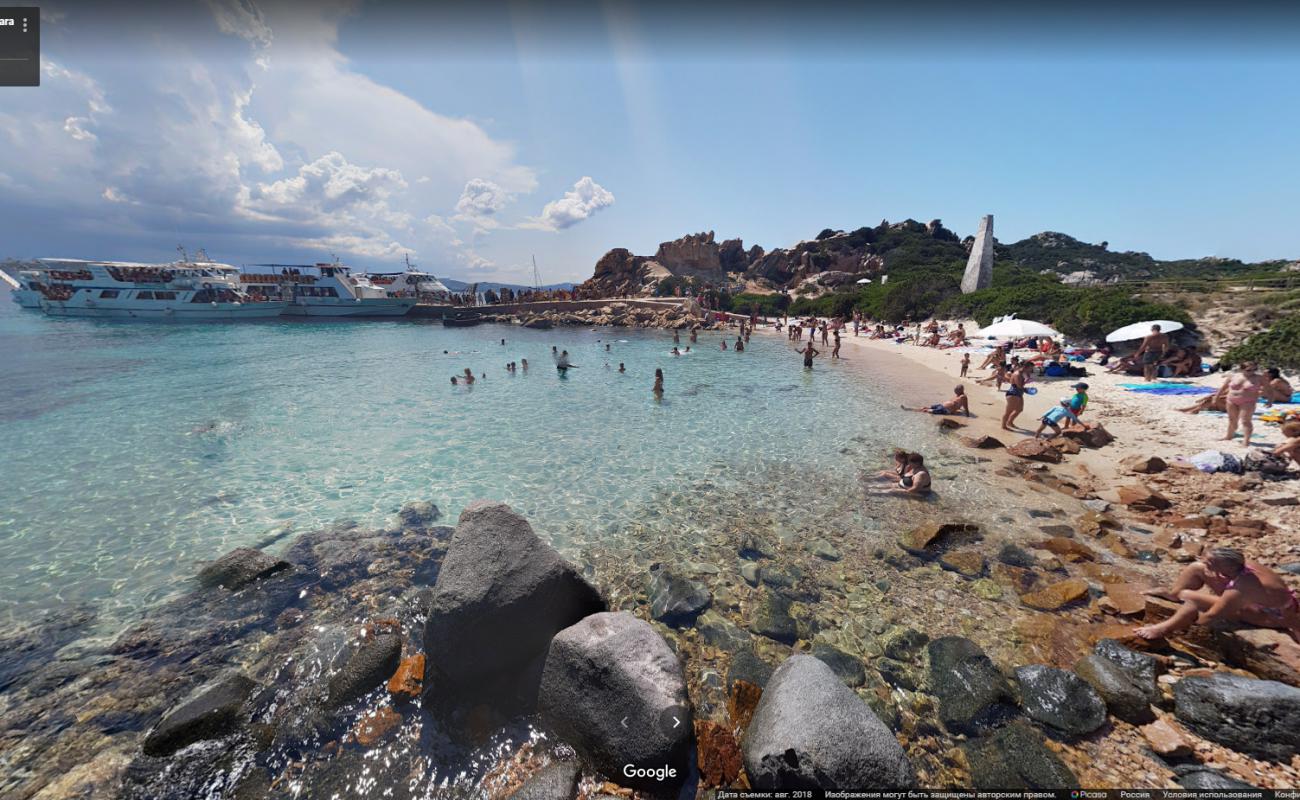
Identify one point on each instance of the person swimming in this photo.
(469, 377)
(562, 362)
(453, 380)
(659, 383)
(675, 352)
(621, 368)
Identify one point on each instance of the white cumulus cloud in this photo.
(479, 202)
(584, 199)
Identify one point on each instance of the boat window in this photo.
(331, 292)
(164, 295)
(108, 293)
(144, 295)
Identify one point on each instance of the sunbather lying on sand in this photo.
(1224, 586)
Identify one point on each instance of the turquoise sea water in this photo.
(132, 452)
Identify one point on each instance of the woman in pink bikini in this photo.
(1244, 387)
(1224, 586)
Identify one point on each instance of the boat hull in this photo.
(26, 298)
(369, 307)
(179, 312)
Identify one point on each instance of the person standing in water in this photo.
(835, 351)
(676, 338)
(469, 377)
(740, 345)
(621, 368)
(659, 384)
(724, 344)
(809, 354)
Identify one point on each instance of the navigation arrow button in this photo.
(624, 722)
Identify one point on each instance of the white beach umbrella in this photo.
(1015, 329)
(1139, 329)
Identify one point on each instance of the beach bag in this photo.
(1265, 462)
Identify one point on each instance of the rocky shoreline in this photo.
(476, 661)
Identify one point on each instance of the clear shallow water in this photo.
(132, 452)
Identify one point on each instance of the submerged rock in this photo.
(555, 781)
(972, 693)
(810, 731)
(748, 667)
(501, 595)
(373, 663)
(1060, 699)
(420, 514)
(922, 541)
(772, 619)
(1057, 595)
(1014, 758)
(240, 567)
(609, 669)
(846, 667)
(1261, 718)
(675, 600)
(217, 711)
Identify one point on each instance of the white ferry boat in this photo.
(25, 288)
(181, 290)
(409, 283)
(324, 290)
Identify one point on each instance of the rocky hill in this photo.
(835, 258)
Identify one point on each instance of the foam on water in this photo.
(132, 452)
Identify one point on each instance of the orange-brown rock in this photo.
(1189, 522)
(1035, 450)
(1119, 546)
(982, 443)
(407, 680)
(1167, 540)
(1270, 654)
(1018, 578)
(918, 540)
(1067, 549)
(1144, 465)
(1057, 595)
(1243, 531)
(1140, 497)
(375, 725)
(1127, 598)
(1166, 739)
(1066, 446)
(950, 424)
(741, 703)
(1096, 436)
(718, 753)
(1102, 573)
(964, 562)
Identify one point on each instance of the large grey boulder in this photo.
(240, 567)
(1123, 697)
(1060, 699)
(370, 665)
(1261, 718)
(501, 595)
(216, 711)
(972, 692)
(610, 687)
(1015, 758)
(810, 731)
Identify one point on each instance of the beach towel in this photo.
(1216, 461)
(1175, 391)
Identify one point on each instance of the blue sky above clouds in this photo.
(475, 135)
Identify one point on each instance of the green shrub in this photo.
(769, 305)
(1278, 346)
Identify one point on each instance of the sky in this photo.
(473, 137)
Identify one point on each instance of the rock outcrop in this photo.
(614, 690)
(810, 731)
(215, 712)
(501, 595)
(1060, 699)
(1261, 718)
(972, 692)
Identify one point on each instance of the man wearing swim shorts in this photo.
(1152, 350)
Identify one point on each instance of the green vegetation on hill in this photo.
(1278, 346)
